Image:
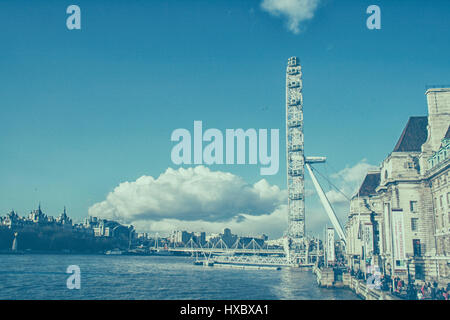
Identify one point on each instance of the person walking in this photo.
(411, 293)
(419, 295)
(433, 293)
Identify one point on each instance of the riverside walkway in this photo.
(325, 278)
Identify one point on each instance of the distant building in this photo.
(101, 230)
(90, 222)
(231, 239)
(200, 237)
(183, 237)
(37, 216)
(143, 235)
(34, 219)
(228, 237)
(38, 221)
(11, 220)
(108, 228)
(64, 220)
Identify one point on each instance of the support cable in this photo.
(330, 183)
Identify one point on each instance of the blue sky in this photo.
(82, 111)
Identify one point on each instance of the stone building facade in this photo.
(439, 181)
(406, 212)
(363, 224)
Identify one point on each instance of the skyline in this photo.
(99, 103)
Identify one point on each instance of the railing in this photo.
(225, 250)
(220, 247)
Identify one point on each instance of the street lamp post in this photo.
(407, 265)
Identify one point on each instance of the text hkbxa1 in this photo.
(213, 153)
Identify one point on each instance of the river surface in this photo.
(39, 276)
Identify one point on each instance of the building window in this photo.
(416, 247)
(448, 199)
(419, 272)
(409, 165)
(413, 206)
(441, 202)
(414, 224)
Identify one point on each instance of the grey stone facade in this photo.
(408, 211)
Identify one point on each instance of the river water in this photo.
(38, 276)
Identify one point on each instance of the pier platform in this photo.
(240, 266)
(326, 278)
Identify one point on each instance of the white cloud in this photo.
(356, 173)
(198, 199)
(348, 180)
(296, 11)
(193, 197)
(335, 196)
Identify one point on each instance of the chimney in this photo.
(438, 117)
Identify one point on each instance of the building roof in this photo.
(370, 183)
(413, 136)
(445, 139)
